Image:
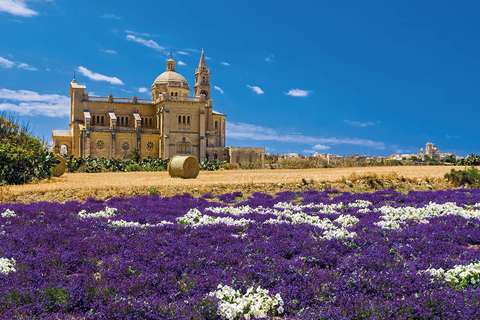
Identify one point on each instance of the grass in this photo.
(81, 186)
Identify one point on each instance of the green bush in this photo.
(468, 176)
(133, 167)
(211, 165)
(23, 158)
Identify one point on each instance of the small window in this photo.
(126, 121)
(141, 122)
(176, 94)
(188, 119)
(179, 119)
(183, 119)
(121, 120)
(216, 124)
(150, 121)
(171, 93)
(103, 120)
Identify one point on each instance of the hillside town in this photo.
(430, 154)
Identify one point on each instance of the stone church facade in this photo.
(170, 123)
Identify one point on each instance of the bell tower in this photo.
(202, 79)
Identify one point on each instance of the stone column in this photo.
(166, 132)
(87, 144)
(202, 134)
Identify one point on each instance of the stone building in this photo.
(170, 123)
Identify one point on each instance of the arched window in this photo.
(126, 121)
(184, 120)
(188, 119)
(103, 120)
(141, 122)
(121, 120)
(179, 119)
(171, 93)
(176, 94)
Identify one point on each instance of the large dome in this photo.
(171, 78)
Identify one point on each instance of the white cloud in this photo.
(139, 34)
(26, 67)
(110, 16)
(98, 77)
(298, 93)
(320, 147)
(5, 63)
(109, 51)
(192, 50)
(32, 103)
(208, 58)
(218, 88)
(244, 131)
(181, 63)
(142, 90)
(359, 124)
(269, 58)
(17, 8)
(225, 64)
(183, 53)
(148, 43)
(256, 89)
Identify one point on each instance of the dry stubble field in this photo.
(80, 186)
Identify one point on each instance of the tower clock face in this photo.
(204, 93)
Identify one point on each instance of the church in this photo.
(170, 123)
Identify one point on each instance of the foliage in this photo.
(23, 157)
(212, 165)
(471, 160)
(468, 176)
(136, 155)
(293, 255)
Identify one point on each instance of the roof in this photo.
(61, 133)
(171, 77)
(217, 113)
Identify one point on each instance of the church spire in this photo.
(203, 63)
(202, 79)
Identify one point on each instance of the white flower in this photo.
(255, 303)
(195, 218)
(7, 265)
(134, 224)
(107, 213)
(8, 213)
(347, 220)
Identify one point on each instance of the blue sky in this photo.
(342, 77)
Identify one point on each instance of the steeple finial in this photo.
(202, 61)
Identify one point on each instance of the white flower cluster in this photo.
(360, 204)
(320, 207)
(340, 233)
(133, 224)
(347, 220)
(300, 217)
(107, 213)
(8, 213)
(7, 265)
(460, 274)
(254, 304)
(195, 218)
(401, 214)
(236, 211)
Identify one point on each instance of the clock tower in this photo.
(202, 79)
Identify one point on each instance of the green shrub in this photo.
(23, 157)
(211, 165)
(468, 176)
(133, 167)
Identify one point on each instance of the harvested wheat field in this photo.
(80, 186)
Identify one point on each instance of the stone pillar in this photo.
(166, 132)
(202, 134)
(113, 146)
(87, 144)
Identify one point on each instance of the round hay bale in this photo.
(59, 168)
(186, 167)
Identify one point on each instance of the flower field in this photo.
(294, 255)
